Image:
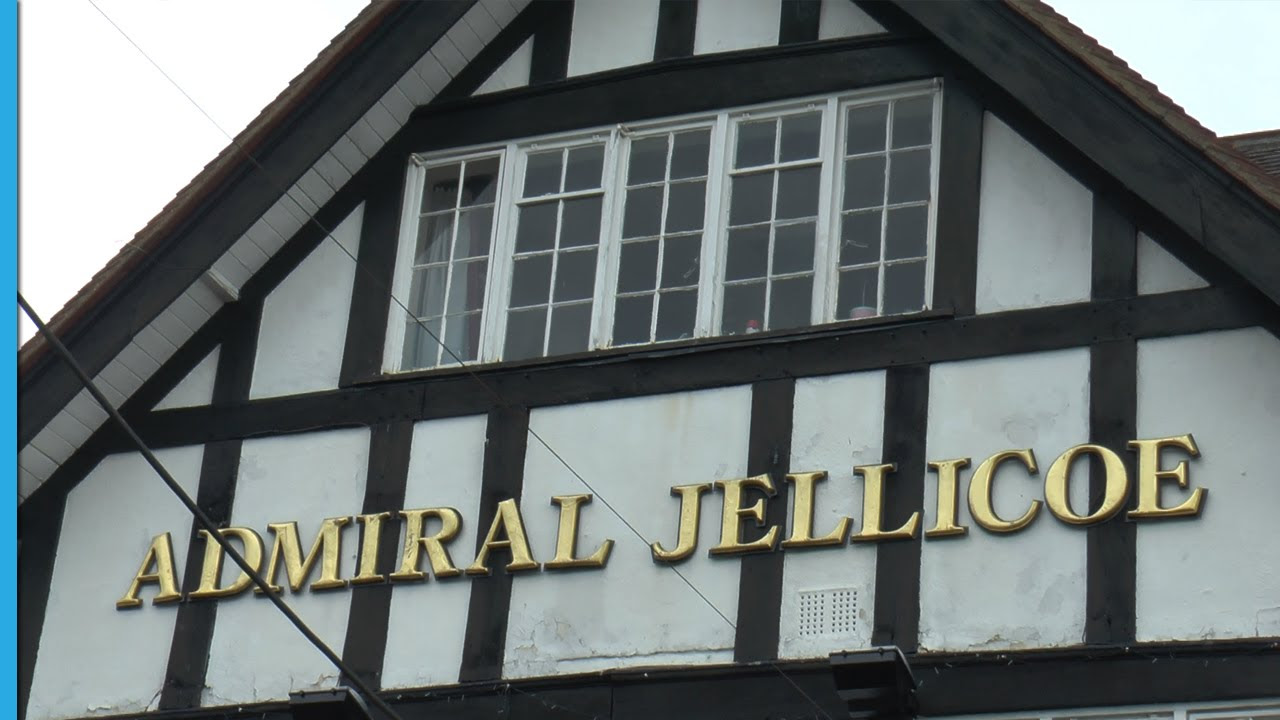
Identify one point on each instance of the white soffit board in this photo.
(725, 25)
(196, 388)
(1160, 272)
(611, 34)
(842, 18)
(512, 73)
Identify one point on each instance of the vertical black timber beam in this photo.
(366, 642)
(37, 548)
(955, 275)
(906, 414)
(798, 21)
(503, 477)
(550, 59)
(371, 294)
(677, 23)
(193, 629)
(1110, 600)
(760, 584)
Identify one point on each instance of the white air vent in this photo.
(828, 613)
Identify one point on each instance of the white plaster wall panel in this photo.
(1034, 226)
(584, 621)
(841, 18)
(304, 319)
(725, 25)
(985, 591)
(1216, 575)
(838, 423)
(444, 471)
(512, 73)
(611, 34)
(196, 388)
(256, 654)
(108, 524)
(1160, 272)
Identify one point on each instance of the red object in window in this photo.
(753, 326)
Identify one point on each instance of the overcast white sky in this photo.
(106, 141)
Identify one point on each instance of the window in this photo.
(758, 219)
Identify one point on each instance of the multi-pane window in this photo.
(730, 223)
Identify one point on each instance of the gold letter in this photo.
(211, 572)
(1058, 480)
(1150, 474)
(437, 555)
(328, 542)
(368, 571)
(687, 533)
(508, 521)
(980, 492)
(948, 496)
(161, 554)
(567, 537)
(731, 517)
(873, 507)
(802, 515)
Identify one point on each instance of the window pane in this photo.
(790, 301)
(638, 266)
(909, 176)
(865, 129)
(542, 173)
(481, 183)
(583, 169)
(581, 222)
(797, 193)
(466, 291)
(631, 317)
(643, 214)
(648, 160)
(906, 233)
(433, 238)
(676, 314)
(858, 294)
(440, 190)
(570, 329)
(860, 238)
(420, 347)
(689, 158)
(752, 198)
(793, 248)
(525, 331)
(427, 294)
(912, 122)
(800, 136)
(531, 280)
(680, 261)
(537, 229)
(575, 275)
(743, 309)
(755, 143)
(748, 255)
(684, 206)
(461, 337)
(475, 226)
(904, 287)
(863, 182)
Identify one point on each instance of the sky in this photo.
(106, 141)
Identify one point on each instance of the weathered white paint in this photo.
(725, 25)
(512, 73)
(1034, 226)
(196, 388)
(841, 18)
(444, 471)
(633, 612)
(256, 654)
(94, 659)
(1027, 589)
(1217, 576)
(838, 423)
(304, 319)
(1159, 271)
(611, 34)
